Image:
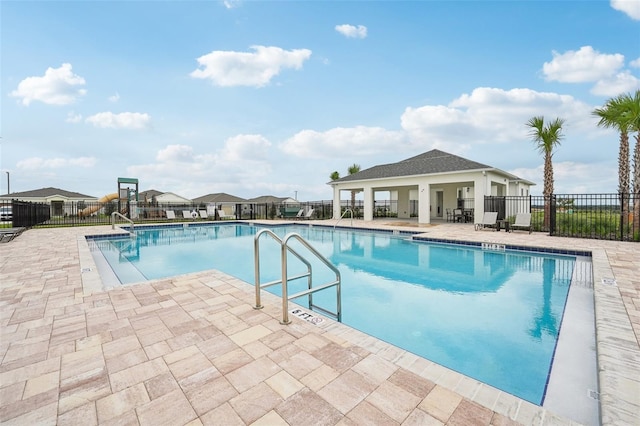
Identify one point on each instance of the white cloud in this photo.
(630, 7)
(342, 141)
(72, 117)
(635, 63)
(246, 148)
(114, 98)
(585, 65)
(38, 163)
(352, 31)
(257, 68)
(123, 120)
(175, 153)
(241, 163)
(490, 115)
(231, 4)
(573, 177)
(589, 65)
(58, 86)
(620, 83)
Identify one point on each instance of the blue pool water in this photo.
(491, 315)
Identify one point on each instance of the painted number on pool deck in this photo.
(306, 316)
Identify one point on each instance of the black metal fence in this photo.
(23, 214)
(596, 216)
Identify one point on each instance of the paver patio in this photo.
(192, 350)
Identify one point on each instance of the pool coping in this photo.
(616, 344)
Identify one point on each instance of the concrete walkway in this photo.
(192, 350)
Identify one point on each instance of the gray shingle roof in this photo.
(149, 194)
(268, 199)
(219, 197)
(431, 162)
(47, 192)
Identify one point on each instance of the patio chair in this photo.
(186, 214)
(489, 220)
(523, 221)
(203, 214)
(458, 215)
(171, 214)
(449, 215)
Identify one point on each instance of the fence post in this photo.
(552, 214)
(622, 215)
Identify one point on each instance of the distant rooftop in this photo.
(45, 193)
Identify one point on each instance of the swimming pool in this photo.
(491, 315)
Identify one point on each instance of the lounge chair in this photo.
(171, 214)
(186, 214)
(523, 221)
(489, 220)
(203, 214)
(223, 216)
(308, 214)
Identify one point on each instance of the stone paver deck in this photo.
(191, 349)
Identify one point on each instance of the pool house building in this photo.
(438, 181)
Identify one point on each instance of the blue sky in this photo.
(268, 98)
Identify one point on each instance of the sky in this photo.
(259, 98)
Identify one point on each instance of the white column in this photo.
(368, 203)
(424, 201)
(479, 191)
(404, 210)
(336, 202)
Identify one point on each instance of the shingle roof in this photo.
(268, 199)
(431, 162)
(219, 197)
(47, 192)
(149, 194)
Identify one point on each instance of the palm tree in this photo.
(334, 176)
(616, 114)
(353, 169)
(546, 138)
(631, 105)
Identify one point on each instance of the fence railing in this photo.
(596, 216)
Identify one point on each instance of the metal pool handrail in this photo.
(113, 220)
(345, 212)
(285, 248)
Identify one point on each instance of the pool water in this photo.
(491, 315)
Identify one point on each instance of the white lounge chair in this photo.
(223, 216)
(489, 220)
(171, 214)
(308, 214)
(187, 214)
(203, 214)
(523, 221)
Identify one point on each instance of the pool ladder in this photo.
(341, 217)
(113, 220)
(284, 250)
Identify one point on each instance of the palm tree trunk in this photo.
(623, 177)
(548, 189)
(636, 185)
